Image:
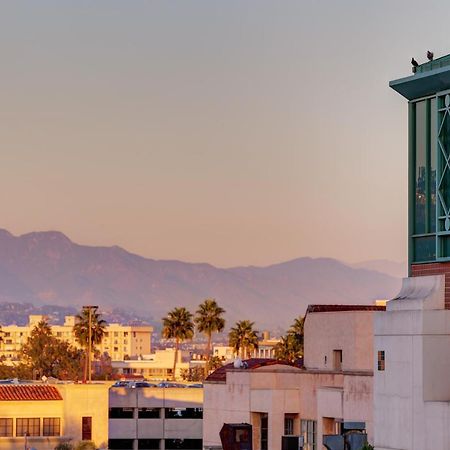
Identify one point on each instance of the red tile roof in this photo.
(24, 392)
(220, 374)
(334, 308)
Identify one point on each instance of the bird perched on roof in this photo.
(430, 55)
(414, 65)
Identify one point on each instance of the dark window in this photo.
(125, 444)
(190, 444)
(120, 413)
(264, 431)
(337, 359)
(6, 427)
(51, 426)
(148, 444)
(30, 426)
(381, 360)
(86, 428)
(149, 413)
(184, 413)
(289, 424)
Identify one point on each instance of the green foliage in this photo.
(209, 320)
(367, 446)
(64, 445)
(291, 346)
(44, 354)
(242, 338)
(81, 328)
(214, 363)
(178, 325)
(193, 374)
(85, 445)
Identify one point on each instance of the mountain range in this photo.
(47, 268)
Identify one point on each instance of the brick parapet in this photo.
(421, 270)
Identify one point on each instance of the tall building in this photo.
(120, 341)
(412, 338)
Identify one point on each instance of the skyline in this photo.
(275, 137)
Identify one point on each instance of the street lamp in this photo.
(90, 308)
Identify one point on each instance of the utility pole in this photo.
(90, 308)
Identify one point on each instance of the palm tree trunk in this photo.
(175, 359)
(85, 369)
(208, 354)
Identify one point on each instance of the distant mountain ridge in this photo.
(48, 268)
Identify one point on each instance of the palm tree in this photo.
(290, 348)
(209, 320)
(89, 323)
(178, 325)
(243, 338)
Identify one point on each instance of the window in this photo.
(381, 360)
(86, 428)
(309, 433)
(190, 444)
(119, 444)
(289, 420)
(6, 427)
(184, 413)
(264, 432)
(149, 413)
(51, 426)
(120, 413)
(30, 426)
(148, 444)
(337, 359)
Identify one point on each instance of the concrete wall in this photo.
(278, 390)
(349, 331)
(155, 428)
(412, 394)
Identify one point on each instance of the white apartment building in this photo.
(119, 341)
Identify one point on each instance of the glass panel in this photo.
(420, 194)
(51, 426)
(120, 444)
(148, 444)
(433, 153)
(194, 444)
(424, 248)
(6, 427)
(120, 413)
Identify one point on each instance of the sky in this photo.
(230, 132)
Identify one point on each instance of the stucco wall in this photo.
(349, 331)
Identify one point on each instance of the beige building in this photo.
(120, 341)
(155, 418)
(334, 385)
(51, 414)
(156, 366)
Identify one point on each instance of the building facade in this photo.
(155, 418)
(412, 339)
(335, 384)
(42, 416)
(119, 341)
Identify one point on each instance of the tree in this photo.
(89, 318)
(178, 325)
(209, 320)
(291, 346)
(242, 338)
(45, 355)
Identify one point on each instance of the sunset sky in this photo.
(231, 132)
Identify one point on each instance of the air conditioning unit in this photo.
(292, 442)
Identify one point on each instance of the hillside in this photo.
(47, 268)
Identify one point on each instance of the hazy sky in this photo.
(231, 132)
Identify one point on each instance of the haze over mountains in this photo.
(47, 268)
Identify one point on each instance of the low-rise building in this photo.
(42, 415)
(155, 418)
(334, 385)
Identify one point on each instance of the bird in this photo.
(430, 55)
(414, 62)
